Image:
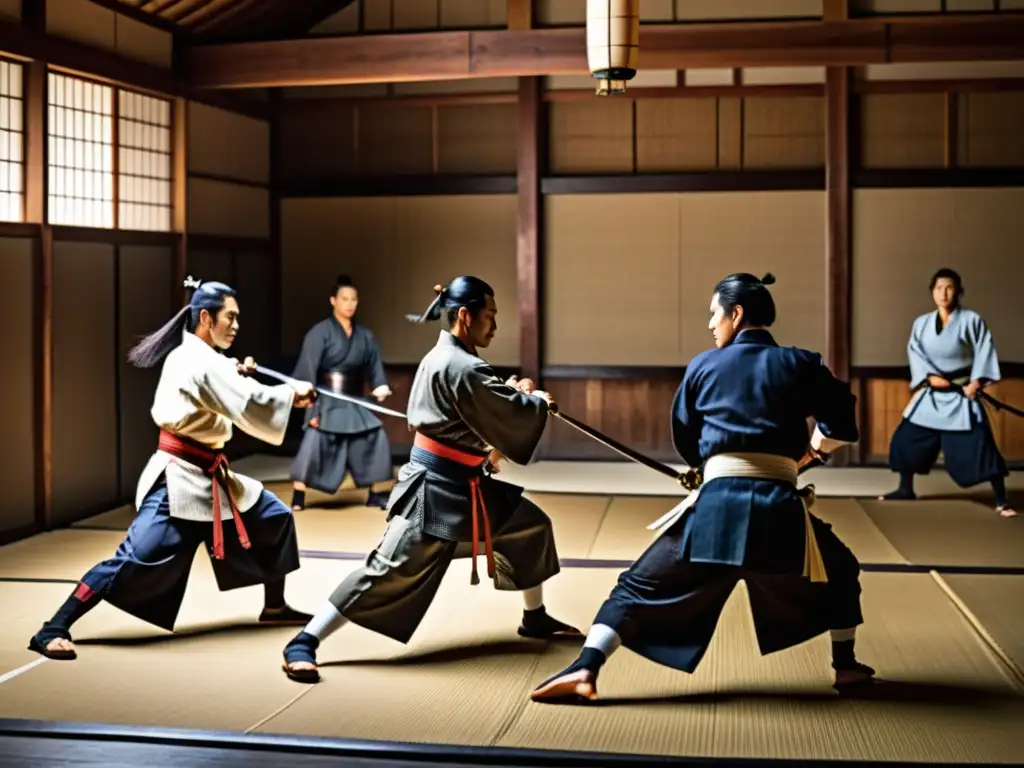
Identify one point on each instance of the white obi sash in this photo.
(762, 466)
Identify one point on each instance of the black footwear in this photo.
(378, 499)
(538, 625)
(285, 616)
(853, 676)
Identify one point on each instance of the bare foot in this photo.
(1007, 512)
(580, 685)
(60, 645)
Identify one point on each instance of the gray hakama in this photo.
(946, 420)
(460, 410)
(340, 437)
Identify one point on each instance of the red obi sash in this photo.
(215, 464)
(476, 495)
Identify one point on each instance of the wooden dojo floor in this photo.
(943, 589)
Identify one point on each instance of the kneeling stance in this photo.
(444, 504)
(186, 490)
(741, 413)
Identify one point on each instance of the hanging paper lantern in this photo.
(613, 43)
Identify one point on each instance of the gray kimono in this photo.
(964, 351)
(456, 400)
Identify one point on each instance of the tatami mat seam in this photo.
(1003, 660)
(513, 719)
(600, 525)
(279, 711)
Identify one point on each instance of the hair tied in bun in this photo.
(768, 279)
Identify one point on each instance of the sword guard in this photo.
(691, 479)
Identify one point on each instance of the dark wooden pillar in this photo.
(179, 128)
(839, 253)
(529, 169)
(276, 262)
(33, 16)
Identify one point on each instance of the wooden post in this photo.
(179, 133)
(33, 15)
(839, 256)
(528, 226)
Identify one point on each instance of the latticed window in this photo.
(81, 152)
(96, 171)
(144, 162)
(12, 142)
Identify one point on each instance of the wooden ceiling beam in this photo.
(33, 45)
(512, 53)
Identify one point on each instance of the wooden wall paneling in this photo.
(276, 263)
(85, 413)
(257, 287)
(144, 306)
(19, 385)
(210, 265)
(179, 211)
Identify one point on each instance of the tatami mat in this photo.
(943, 697)
(63, 554)
(949, 532)
(221, 672)
(624, 534)
(997, 602)
(576, 520)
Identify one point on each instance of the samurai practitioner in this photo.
(952, 359)
(187, 490)
(342, 356)
(445, 503)
(741, 412)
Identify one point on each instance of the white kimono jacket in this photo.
(199, 397)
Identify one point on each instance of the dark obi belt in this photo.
(215, 464)
(343, 382)
(457, 465)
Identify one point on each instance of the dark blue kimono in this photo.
(752, 396)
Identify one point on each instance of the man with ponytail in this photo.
(740, 416)
(445, 503)
(187, 491)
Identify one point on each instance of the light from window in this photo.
(12, 143)
(144, 162)
(81, 153)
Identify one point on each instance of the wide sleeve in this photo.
(687, 422)
(834, 408)
(257, 409)
(374, 363)
(986, 362)
(308, 364)
(502, 416)
(920, 368)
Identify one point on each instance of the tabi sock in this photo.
(298, 498)
(842, 648)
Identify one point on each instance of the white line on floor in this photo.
(14, 673)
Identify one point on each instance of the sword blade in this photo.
(337, 396)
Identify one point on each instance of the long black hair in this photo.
(744, 290)
(958, 284)
(157, 345)
(465, 291)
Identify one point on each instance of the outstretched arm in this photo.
(257, 409)
(510, 420)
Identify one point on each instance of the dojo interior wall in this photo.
(18, 385)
